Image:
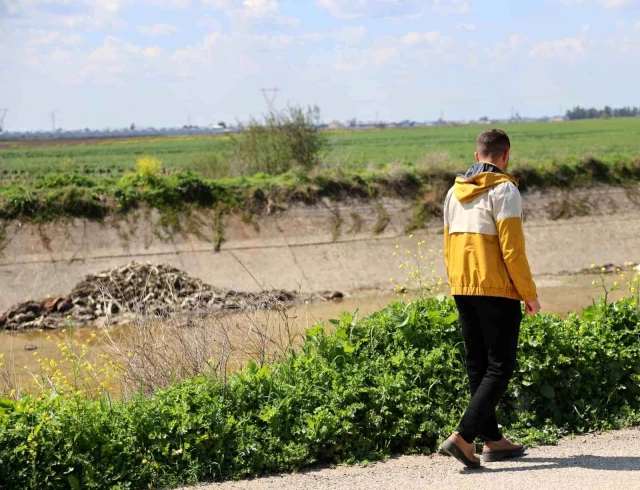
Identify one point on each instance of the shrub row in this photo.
(76, 195)
(390, 383)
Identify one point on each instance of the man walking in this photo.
(489, 276)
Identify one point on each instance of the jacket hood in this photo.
(479, 179)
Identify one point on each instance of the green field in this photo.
(47, 180)
(452, 147)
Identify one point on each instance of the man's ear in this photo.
(506, 155)
(477, 156)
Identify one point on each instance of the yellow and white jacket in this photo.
(483, 239)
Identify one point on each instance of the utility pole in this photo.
(270, 95)
(3, 112)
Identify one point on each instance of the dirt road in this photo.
(606, 461)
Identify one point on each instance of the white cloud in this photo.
(615, 4)
(392, 8)
(216, 4)
(61, 55)
(502, 51)
(157, 30)
(209, 22)
(625, 41)
(248, 9)
(116, 57)
(112, 51)
(352, 34)
(272, 42)
(15, 6)
(247, 12)
(39, 37)
(446, 7)
(108, 6)
(396, 55)
(382, 55)
(430, 37)
(463, 26)
(283, 20)
(175, 4)
(259, 8)
(245, 51)
(567, 49)
(152, 52)
(347, 36)
(607, 4)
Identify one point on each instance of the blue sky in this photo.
(108, 63)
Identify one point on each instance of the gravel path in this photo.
(605, 461)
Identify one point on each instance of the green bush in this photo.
(393, 382)
(284, 140)
(76, 195)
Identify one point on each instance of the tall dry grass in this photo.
(152, 351)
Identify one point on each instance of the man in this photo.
(489, 276)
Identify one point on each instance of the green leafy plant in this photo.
(284, 140)
(393, 382)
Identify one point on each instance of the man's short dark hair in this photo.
(493, 143)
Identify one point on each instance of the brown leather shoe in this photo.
(460, 449)
(502, 449)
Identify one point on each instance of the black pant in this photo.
(490, 327)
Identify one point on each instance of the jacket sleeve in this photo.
(446, 232)
(507, 213)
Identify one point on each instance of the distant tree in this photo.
(132, 127)
(593, 113)
(222, 124)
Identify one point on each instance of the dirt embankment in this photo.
(342, 246)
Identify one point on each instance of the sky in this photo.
(160, 63)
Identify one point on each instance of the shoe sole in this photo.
(502, 455)
(450, 448)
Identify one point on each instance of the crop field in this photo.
(47, 180)
(539, 144)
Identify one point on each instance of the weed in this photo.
(383, 218)
(148, 166)
(418, 266)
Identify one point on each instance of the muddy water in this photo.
(558, 294)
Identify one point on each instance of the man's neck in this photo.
(497, 165)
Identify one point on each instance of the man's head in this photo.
(493, 147)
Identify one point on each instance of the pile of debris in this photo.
(610, 268)
(155, 289)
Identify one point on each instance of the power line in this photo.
(3, 113)
(270, 95)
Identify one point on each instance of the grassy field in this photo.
(539, 144)
(43, 181)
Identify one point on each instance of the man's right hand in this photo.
(532, 307)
